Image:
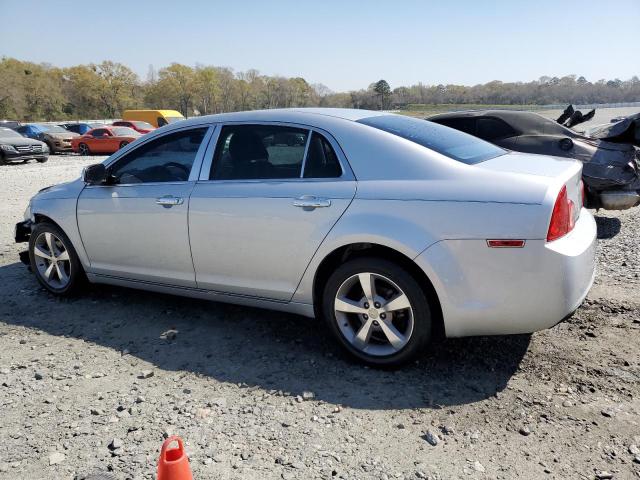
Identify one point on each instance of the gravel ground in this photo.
(94, 383)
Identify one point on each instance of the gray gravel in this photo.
(94, 384)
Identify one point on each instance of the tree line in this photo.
(33, 92)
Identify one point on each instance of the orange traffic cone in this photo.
(173, 463)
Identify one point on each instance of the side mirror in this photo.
(95, 174)
(566, 144)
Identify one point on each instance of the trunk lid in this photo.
(563, 171)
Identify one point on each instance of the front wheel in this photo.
(377, 311)
(54, 260)
(42, 159)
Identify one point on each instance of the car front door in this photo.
(135, 227)
(99, 141)
(258, 214)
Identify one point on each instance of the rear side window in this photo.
(249, 152)
(322, 161)
(493, 128)
(466, 125)
(446, 141)
(165, 159)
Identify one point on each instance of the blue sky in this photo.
(343, 44)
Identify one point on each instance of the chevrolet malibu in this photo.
(391, 229)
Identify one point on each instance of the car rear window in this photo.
(125, 132)
(456, 145)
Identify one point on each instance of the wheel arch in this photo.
(61, 213)
(367, 249)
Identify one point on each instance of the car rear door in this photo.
(136, 227)
(267, 197)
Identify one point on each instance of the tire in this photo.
(42, 160)
(51, 149)
(69, 268)
(412, 322)
(123, 144)
(83, 149)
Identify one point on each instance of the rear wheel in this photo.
(123, 144)
(377, 311)
(54, 260)
(83, 149)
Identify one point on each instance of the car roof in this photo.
(525, 122)
(313, 116)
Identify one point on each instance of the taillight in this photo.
(562, 218)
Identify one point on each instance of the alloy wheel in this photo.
(374, 314)
(52, 260)
(83, 149)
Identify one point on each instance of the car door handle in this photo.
(169, 201)
(309, 201)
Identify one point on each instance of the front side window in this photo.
(165, 159)
(249, 152)
(100, 132)
(452, 143)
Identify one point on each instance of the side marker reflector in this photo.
(505, 243)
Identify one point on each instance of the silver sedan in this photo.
(390, 229)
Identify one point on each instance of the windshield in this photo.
(173, 119)
(144, 125)
(124, 132)
(8, 133)
(447, 141)
(52, 129)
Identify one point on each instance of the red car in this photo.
(103, 140)
(138, 126)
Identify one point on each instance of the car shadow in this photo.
(608, 227)
(271, 350)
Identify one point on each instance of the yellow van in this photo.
(157, 118)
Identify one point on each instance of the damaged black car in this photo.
(611, 171)
(625, 130)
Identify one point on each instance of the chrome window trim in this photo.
(205, 167)
(306, 152)
(151, 137)
(347, 172)
(195, 168)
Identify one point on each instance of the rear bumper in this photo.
(619, 199)
(496, 291)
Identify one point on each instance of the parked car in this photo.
(611, 171)
(15, 147)
(157, 118)
(12, 124)
(57, 138)
(625, 130)
(137, 125)
(104, 140)
(390, 228)
(81, 128)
